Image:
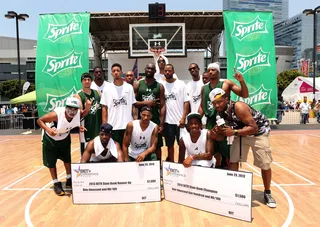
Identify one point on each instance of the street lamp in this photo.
(21, 17)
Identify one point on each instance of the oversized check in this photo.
(120, 182)
(222, 192)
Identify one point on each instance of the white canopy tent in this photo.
(300, 87)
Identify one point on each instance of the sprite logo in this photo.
(55, 65)
(258, 97)
(242, 30)
(54, 101)
(246, 62)
(58, 31)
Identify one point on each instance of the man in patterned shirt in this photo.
(250, 128)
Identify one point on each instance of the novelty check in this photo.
(217, 191)
(123, 182)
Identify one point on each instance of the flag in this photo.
(135, 69)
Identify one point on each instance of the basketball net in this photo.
(157, 50)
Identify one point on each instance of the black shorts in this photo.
(53, 150)
(171, 132)
(117, 136)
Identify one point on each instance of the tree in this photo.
(286, 77)
(10, 88)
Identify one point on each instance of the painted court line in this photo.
(21, 179)
(290, 203)
(3, 141)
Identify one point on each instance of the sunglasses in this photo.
(129, 75)
(193, 68)
(161, 61)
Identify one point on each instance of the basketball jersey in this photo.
(140, 140)
(93, 120)
(94, 86)
(196, 148)
(148, 93)
(98, 149)
(63, 126)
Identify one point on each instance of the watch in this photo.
(235, 132)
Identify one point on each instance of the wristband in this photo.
(191, 156)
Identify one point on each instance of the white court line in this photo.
(27, 210)
(290, 171)
(314, 135)
(21, 179)
(6, 140)
(291, 206)
(260, 185)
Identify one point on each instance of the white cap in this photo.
(73, 102)
(215, 65)
(216, 93)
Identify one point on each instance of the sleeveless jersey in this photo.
(63, 126)
(151, 92)
(196, 148)
(98, 149)
(208, 108)
(140, 140)
(93, 120)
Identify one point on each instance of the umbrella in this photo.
(27, 98)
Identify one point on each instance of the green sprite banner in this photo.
(251, 51)
(62, 56)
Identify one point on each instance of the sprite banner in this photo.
(251, 51)
(62, 56)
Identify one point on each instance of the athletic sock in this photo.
(68, 176)
(55, 181)
(267, 191)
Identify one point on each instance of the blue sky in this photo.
(29, 28)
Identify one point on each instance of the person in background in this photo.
(304, 108)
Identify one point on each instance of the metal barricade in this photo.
(11, 121)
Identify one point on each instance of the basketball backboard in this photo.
(148, 40)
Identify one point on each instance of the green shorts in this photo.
(53, 150)
(149, 157)
(117, 136)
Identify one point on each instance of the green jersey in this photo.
(150, 92)
(208, 108)
(93, 120)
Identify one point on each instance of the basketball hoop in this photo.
(157, 50)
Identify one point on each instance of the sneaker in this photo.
(69, 183)
(57, 187)
(270, 202)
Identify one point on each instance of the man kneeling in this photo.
(142, 136)
(103, 148)
(196, 146)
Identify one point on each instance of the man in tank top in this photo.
(56, 139)
(206, 108)
(151, 93)
(90, 111)
(196, 146)
(103, 148)
(141, 137)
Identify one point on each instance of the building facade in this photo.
(279, 8)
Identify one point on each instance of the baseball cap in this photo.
(214, 65)
(85, 75)
(216, 93)
(193, 115)
(106, 128)
(73, 102)
(147, 108)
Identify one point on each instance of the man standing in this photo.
(99, 82)
(177, 107)
(196, 147)
(194, 87)
(160, 63)
(118, 104)
(205, 77)
(304, 107)
(56, 139)
(129, 78)
(151, 93)
(250, 128)
(208, 110)
(102, 148)
(142, 135)
(90, 110)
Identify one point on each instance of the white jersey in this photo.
(119, 100)
(63, 126)
(98, 149)
(175, 95)
(94, 86)
(194, 93)
(140, 140)
(160, 78)
(196, 148)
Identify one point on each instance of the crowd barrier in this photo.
(17, 121)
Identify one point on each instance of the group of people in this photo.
(127, 122)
